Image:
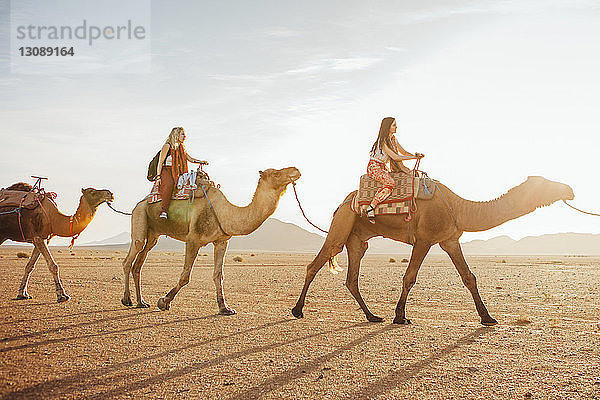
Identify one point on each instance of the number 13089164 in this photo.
(46, 51)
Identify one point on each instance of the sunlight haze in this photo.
(491, 92)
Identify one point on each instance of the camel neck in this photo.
(476, 216)
(237, 221)
(66, 226)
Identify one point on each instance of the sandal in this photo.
(370, 214)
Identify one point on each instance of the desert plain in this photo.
(545, 346)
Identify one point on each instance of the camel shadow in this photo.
(61, 316)
(194, 367)
(24, 303)
(90, 378)
(61, 328)
(283, 379)
(396, 378)
(92, 335)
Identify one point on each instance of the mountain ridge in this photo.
(278, 236)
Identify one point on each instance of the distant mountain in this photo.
(557, 243)
(274, 235)
(278, 236)
(122, 238)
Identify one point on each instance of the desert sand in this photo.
(546, 345)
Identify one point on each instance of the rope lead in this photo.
(303, 214)
(581, 211)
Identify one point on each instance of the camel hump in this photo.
(20, 198)
(20, 186)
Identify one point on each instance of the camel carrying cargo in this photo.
(29, 214)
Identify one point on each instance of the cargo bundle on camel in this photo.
(29, 214)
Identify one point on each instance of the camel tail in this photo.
(339, 230)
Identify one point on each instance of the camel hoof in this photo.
(374, 318)
(126, 302)
(489, 322)
(227, 311)
(162, 304)
(401, 321)
(297, 312)
(24, 296)
(142, 304)
(62, 298)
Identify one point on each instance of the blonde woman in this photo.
(172, 162)
(385, 148)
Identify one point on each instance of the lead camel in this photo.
(442, 220)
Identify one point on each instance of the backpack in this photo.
(152, 168)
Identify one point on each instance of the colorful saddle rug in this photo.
(182, 192)
(401, 198)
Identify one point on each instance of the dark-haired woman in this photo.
(385, 148)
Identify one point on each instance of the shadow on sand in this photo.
(128, 389)
(282, 379)
(65, 327)
(72, 384)
(91, 335)
(398, 377)
(19, 321)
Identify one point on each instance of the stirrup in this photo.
(370, 214)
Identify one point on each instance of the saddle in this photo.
(185, 189)
(406, 190)
(18, 198)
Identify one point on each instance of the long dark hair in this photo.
(384, 134)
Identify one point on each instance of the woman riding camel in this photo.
(386, 148)
(172, 162)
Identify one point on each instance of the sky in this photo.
(490, 91)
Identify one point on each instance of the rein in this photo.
(301, 210)
(581, 211)
(117, 211)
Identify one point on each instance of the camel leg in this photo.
(311, 271)
(137, 270)
(35, 254)
(191, 251)
(419, 252)
(219, 257)
(452, 247)
(41, 245)
(139, 233)
(135, 248)
(356, 250)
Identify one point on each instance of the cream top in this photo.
(379, 155)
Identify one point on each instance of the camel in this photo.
(212, 219)
(441, 220)
(42, 223)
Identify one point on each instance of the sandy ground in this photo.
(546, 344)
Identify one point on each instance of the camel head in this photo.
(544, 192)
(96, 197)
(278, 179)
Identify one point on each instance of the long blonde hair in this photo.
(173, 138)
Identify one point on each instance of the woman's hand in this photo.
(419, 155)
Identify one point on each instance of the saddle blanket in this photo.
(399, 201)
(183, 191)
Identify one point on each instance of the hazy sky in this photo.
(490, 91)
